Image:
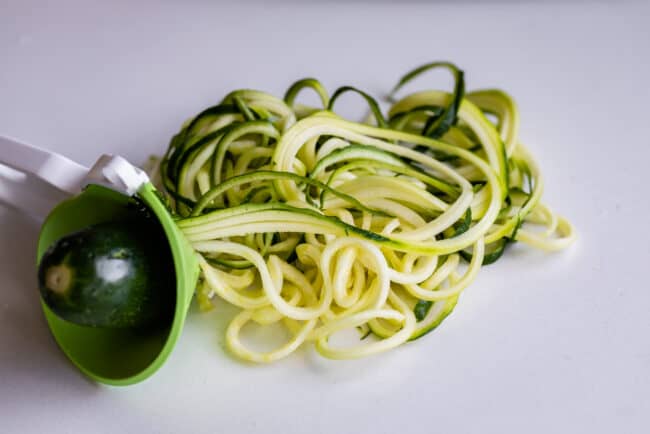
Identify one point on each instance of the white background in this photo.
(539, 343)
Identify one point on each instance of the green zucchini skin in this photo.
(114, 275)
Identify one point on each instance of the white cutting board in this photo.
(539, 343)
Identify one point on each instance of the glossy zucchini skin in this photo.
(115, 274)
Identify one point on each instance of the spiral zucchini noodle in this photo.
(322, 224)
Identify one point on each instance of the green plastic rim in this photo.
(109, 356)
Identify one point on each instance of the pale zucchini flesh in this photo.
(323, 224)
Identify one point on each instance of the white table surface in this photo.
(539, 343)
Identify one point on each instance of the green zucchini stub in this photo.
(115, 274)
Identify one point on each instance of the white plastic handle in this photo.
(34, 180)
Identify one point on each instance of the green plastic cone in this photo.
(119, 356)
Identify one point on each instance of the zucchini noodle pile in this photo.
(323, 224)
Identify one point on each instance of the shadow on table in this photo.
(28, 352)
